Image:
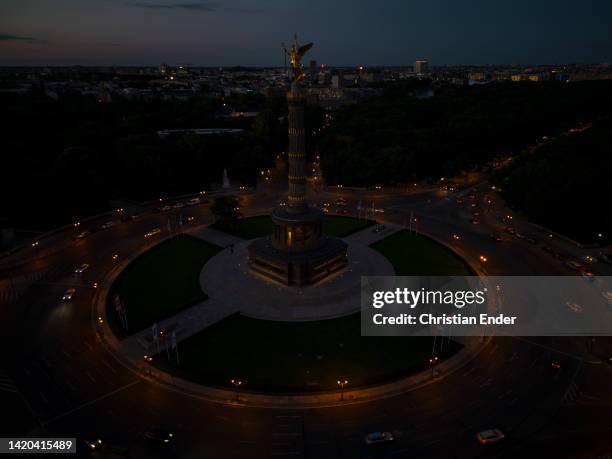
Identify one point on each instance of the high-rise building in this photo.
(421, 67)
(313, 70)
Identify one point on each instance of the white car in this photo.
(379, 437)
(108, 225)
(152, 233)
(574, 306)
(193, 202)
(490, 436)
(68, 294)
(379, 210)
(81, 269)
(178, 205)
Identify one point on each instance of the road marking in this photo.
(90, 376)
(91, 402)
(108, 365)
(469, 371)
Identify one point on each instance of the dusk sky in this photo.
(249, 32)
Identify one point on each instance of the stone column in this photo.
(297, 149)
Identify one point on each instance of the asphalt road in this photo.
(56, 378)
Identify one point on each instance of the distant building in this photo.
(421, 67)
(313, 70)
(164, 70)
(337, 81)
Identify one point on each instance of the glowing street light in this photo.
(433, 360)
(236, 383)
(342, 383)
(148, 359)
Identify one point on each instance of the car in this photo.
(548, 249)
(496, 237)
(555, 365)
(574, 265)
(490, 436)
(575, 307)
(510, 230)
(166, 208)
(159, 435)
(456, 237)
(475, 221)
(379, 228)
(68, 294)
(93, 443)
(81, 269)
(282, 204)
(379, 210)
(193, 202)
(108, 225)
(459, 201)
(608, 297)
(178, 205)
(83, 234)
(153, 232)
(341, 210)
(379, 437)
(476, 213)
(590, 259)
(189, 219)
(588, 275)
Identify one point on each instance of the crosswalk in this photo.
(572, 394)
(7, 384)
(12, 289)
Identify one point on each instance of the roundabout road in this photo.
(63, 382)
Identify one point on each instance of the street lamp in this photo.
(236, 383)
(148, 359)
(433, 360)
(342, 383)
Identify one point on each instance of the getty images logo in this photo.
(414, 298)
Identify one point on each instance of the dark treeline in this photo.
(565, 184)
(66, 158)
(397, 137)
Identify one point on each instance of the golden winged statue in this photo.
(296, 54)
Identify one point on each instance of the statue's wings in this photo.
(302, 50)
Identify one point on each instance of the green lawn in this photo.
(415, 255)
(161, 282)
(297, 356)
(333, 225)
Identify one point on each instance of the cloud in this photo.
(10, 37)
(191, 6)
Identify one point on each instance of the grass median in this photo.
(160, 283)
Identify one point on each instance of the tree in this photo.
(226, 209)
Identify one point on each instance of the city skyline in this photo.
(244, 32)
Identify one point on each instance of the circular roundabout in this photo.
(231, 325)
